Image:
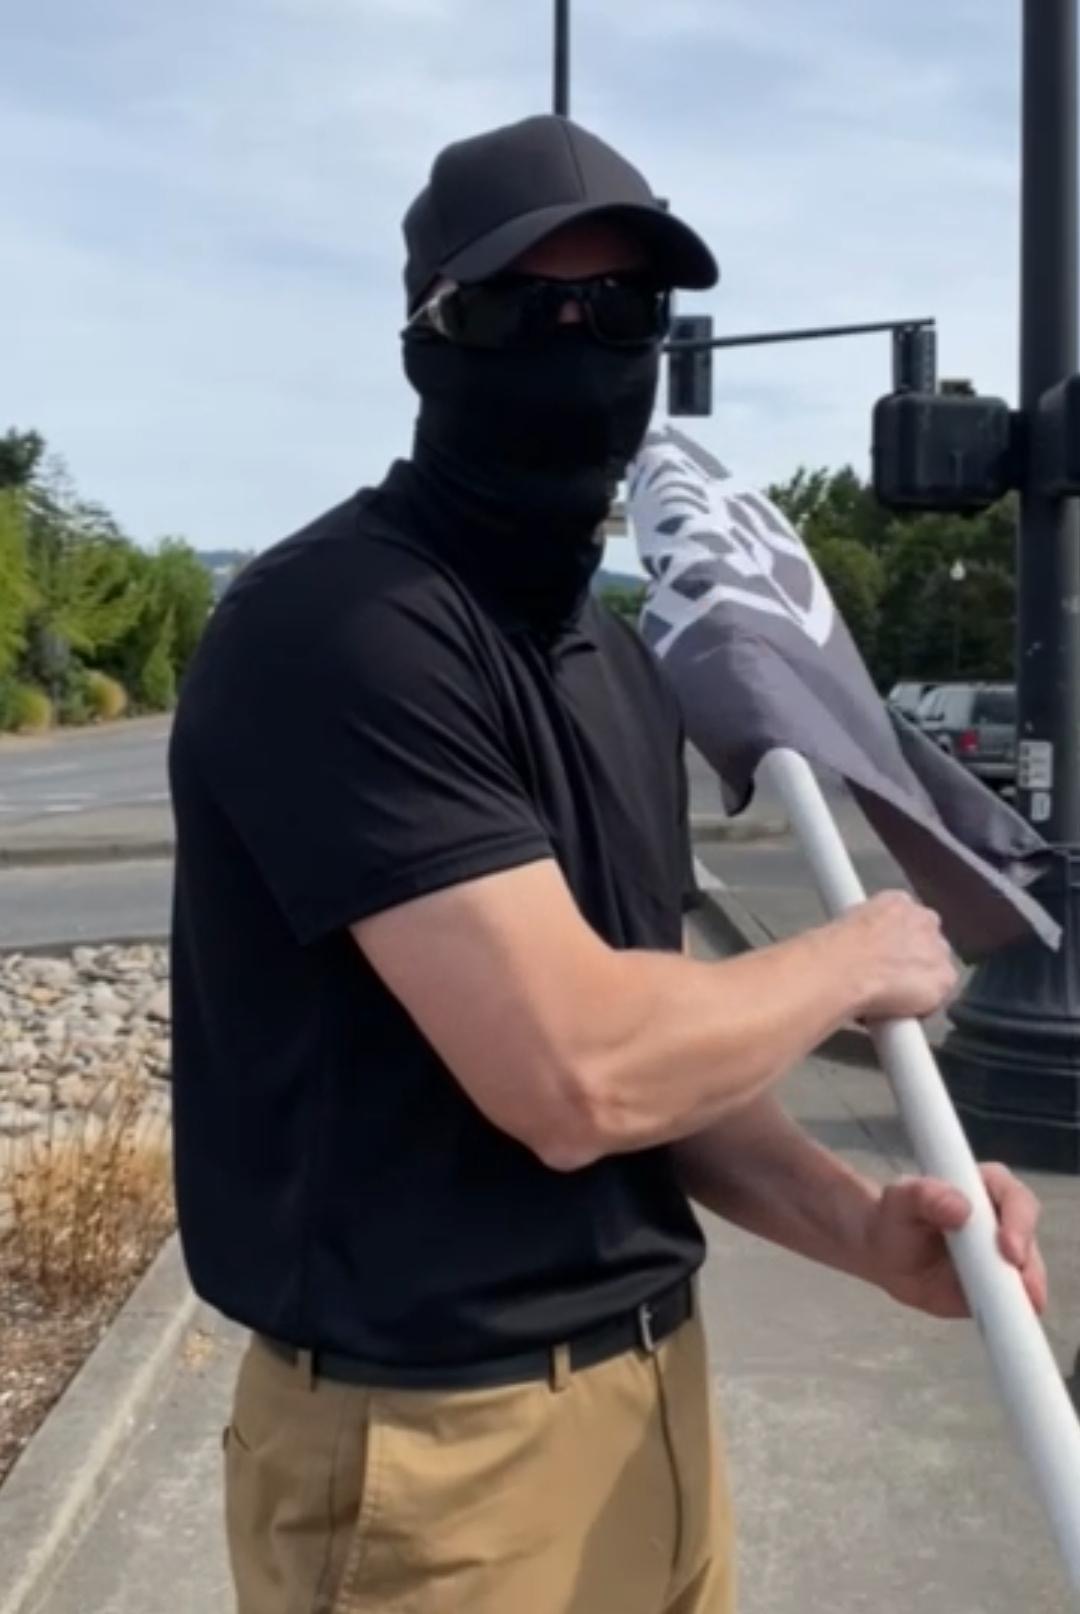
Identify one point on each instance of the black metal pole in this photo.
(562, 58)
(1013, 1060)
(1049, 551)
(955, 632)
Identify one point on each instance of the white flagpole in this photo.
(1027, 1375)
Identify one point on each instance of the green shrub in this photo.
(105, 696)
(7, 704)
(31, 710)
(157, 679)
(72, 698)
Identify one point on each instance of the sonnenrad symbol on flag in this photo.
(768, 676)
(761, 659)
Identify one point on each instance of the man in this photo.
(444, 1082)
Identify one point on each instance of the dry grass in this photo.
(106, 698)
(82, 1210)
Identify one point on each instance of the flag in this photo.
(760, 658)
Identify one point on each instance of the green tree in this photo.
(832, 504)
(856, 579)
(624, 601)
(935, 627)
(182, 586)
(16, 588)
(174, 588)
(20, 455)
(908, 616)
(156, 685)
(85, 574)
(75, 592)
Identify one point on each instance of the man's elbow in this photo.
(583, 1119)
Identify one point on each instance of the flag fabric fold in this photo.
(759, 656)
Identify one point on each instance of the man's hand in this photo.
(905, 1240)
(896, 949)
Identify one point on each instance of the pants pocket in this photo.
(295, 1477)
(455, 1508)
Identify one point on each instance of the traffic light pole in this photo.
(561, 97)
(1013, 1060)
(692, 344)
(812, 333)
(1049, 629)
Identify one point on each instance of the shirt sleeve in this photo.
(376, 770)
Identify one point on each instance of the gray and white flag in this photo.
(761, 658)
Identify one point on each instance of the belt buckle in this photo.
(646, 1337)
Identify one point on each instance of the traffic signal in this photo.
(914, 358)
(690, 371)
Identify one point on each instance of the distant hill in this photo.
(223, 565)
(605, 579)
(213, 558)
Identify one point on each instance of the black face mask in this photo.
(519, 453)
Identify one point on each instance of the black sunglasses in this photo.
(620, 310)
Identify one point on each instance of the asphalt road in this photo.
(83, 771)
(49, 782)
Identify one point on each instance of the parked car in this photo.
(976, 724)
(906, 698)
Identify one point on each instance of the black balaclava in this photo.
(517, 457)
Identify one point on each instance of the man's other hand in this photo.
(907, 1254)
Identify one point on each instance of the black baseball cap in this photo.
(492, 197)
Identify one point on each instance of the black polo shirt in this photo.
(357, 730)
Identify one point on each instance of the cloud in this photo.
(202, 228)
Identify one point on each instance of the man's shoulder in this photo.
(352, 597)
(622, 642)
(640, 675)
(358, 538)
(355, 560)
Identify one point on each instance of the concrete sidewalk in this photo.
(872, 1468)
(741, 917)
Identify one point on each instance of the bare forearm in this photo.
(763, 1172)
(675, 1045)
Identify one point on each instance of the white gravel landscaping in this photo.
(69, 1026)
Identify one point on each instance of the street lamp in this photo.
(561, 95)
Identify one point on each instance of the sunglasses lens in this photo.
(628, 311)
(519, 311)
(496, 314)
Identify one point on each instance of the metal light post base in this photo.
(1012, 1061)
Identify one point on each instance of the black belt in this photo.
(644, 1329)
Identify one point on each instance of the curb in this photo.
(66, 1465)
(63, 733)
(64, 949)
(45, 854)
(85, 853)
(732, 929)
(710, 828)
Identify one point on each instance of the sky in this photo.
(200, 259)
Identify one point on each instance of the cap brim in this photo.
(679, 255)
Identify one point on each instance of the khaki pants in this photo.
(601, 1492)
